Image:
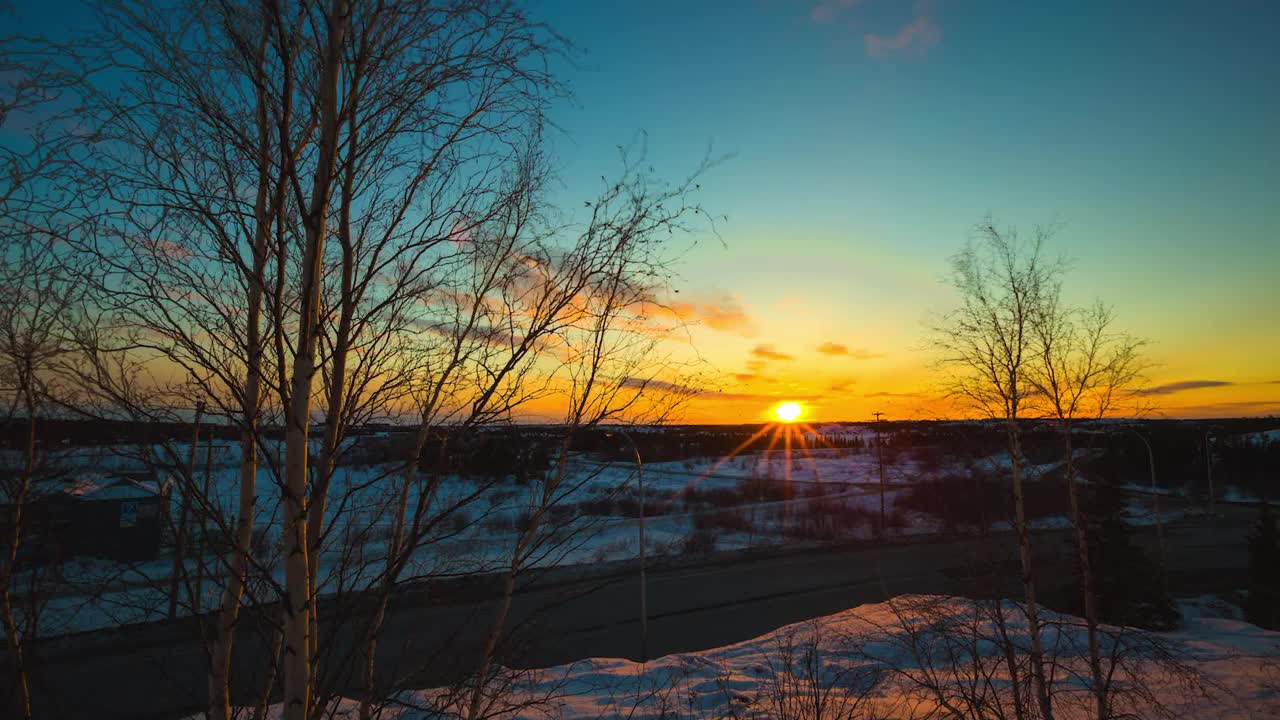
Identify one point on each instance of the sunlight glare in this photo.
(787, 412)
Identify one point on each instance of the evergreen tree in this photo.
(1130, 585)
(1262, 608)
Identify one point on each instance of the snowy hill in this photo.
(911, 657)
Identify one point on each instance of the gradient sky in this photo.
(868, 136)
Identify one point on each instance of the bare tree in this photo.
(380, 127)
(184, 248)
(530, 319)
(293, 191)
(42, 296)
(33, 331)
(988, 347)
(1083, 369)
(436, 101)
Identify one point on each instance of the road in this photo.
(570, 614)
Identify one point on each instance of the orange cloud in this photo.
(724, 314)
(894, 395)
(833, 348)
(768, 352)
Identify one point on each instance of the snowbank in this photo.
(913, 656)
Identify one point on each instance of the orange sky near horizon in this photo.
(843, 366)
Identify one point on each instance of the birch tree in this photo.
(987, 345)
(1083, 369)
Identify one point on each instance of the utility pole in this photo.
(186, 486)
(880, 462)
(203, 536)
(644, 588)
(1155, 493)
(1208, 466)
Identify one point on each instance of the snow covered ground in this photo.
(909, 657)
(1264, 437)
(697, 505)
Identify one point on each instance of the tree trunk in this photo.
(268, 683)
(394, 554)
(13, 634)
(1028, 573)
(335, 410)
(398, 554)
(297, 600)
(265, 211)
(238, 563)
(491, 644)
(1002, 627)
(1086, 576)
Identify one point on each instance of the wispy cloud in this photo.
(659, 386)
(724, 313)
(829, 10)
(704, 393)
(921, 32)
(836, 349)
(841, 386)
(1181, 385)
(894, 395)
(759, 397)
(768, 352)
(918, 35)
(1243, 408)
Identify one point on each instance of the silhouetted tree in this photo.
(1084, 368)
(988, 345)
(1129, 585)
(1262, 607)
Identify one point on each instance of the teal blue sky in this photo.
(868, 136)
(865, 138)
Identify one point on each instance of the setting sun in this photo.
(787, 411)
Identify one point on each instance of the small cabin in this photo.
(116, 517)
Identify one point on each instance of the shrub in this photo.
(700, 542)
(1262, 608)
(730, 520)
(827, 519)
(598, 507)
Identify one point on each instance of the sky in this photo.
(867, 137)
(863, 139)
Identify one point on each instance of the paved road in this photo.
(569, 614)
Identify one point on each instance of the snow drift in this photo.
(910, 657)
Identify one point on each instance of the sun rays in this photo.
(786, 431)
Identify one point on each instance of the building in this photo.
(108, 516)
